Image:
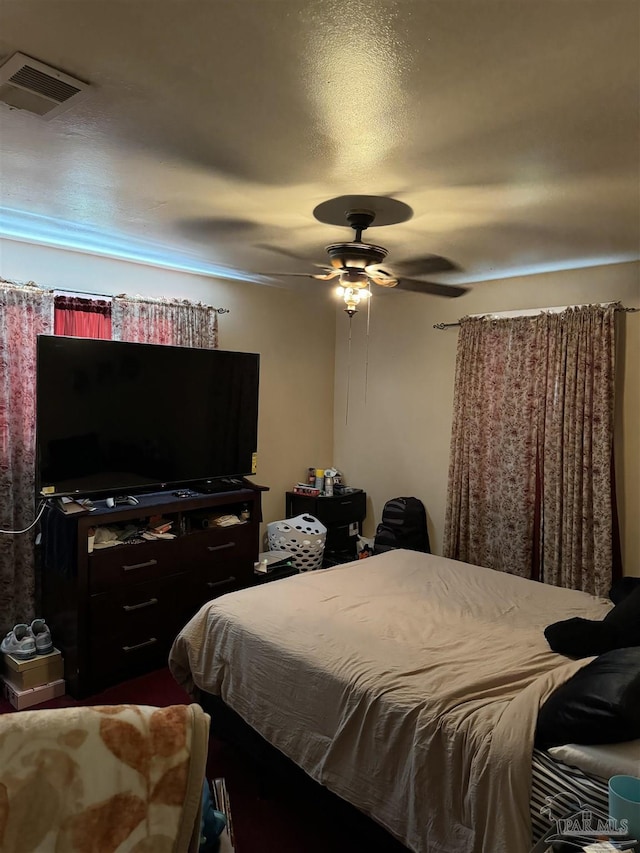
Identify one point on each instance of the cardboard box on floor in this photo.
(21, 699)
(25, 674)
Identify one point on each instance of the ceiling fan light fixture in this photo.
(352, 297)
(363, 292)
(351, 300)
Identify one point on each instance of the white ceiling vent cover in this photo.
(27, 84)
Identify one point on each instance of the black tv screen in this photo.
(125, 417)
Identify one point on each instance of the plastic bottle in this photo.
(328, 486)
(320, 479)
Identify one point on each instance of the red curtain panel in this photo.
(82, 318)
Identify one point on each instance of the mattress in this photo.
(556, 788)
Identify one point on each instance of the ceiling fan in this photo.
(357, 265)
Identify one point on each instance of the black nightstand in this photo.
(341, 514)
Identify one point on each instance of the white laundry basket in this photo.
(304, 536)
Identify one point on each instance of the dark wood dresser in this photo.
(115, 612)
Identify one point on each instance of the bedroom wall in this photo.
(395, 441)
(293, 332)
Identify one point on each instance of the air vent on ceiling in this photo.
(27, 84)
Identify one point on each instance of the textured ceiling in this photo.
(214, 128)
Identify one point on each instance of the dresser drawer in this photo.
(220, 545)
(343, 508)
(114, 660)
(111, 567)
(221, 577)
(342, 536)
(132, 611)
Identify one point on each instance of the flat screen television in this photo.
(120, 418)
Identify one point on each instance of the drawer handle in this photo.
(346, 503)
(149, 642)
(140, 565)
(221, 547)
(213, 584)
(129, 607)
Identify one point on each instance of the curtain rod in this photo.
(532, 312)
(123, 296)
(32, 284)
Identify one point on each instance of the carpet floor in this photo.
(296, 818)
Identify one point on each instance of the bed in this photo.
(408, 684)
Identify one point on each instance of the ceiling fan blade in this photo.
(383, 280)
(426, 265)
(326, 276)
(382, 277)
(278, 250)
(216, 226)
(416, 285)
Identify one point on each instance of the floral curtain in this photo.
(82, 318)
(579, 530)
(531, 486)
(165, 321)
(25, 312)
(492, 472)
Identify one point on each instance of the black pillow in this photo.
(622, 588)
(625, 619)
(582, 638)
(599, 704)
(631, 701)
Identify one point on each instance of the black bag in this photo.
(403, 525)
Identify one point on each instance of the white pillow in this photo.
(603, 760)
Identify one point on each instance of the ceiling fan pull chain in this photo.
(366, 358)
(346, 414)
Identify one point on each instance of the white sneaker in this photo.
(20, 643)
(42, 636)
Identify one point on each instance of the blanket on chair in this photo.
(103, 779)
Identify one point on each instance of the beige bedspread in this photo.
(406, 683)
